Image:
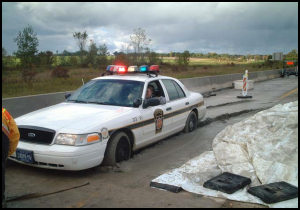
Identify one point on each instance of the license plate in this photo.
(25, 156)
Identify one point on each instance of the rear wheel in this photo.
(118, 149)
(191, 123)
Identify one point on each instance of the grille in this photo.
(36, 135)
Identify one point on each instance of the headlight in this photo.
(77, 139)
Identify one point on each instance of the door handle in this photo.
(187, 103)
(169, 108)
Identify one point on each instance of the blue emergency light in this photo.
(144, 68)
(110, 67)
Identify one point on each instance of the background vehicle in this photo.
(290, 68)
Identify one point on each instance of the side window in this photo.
(171, 89)
(158, 91)
(179, 89)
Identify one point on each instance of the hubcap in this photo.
(192, 123)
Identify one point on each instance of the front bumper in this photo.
(63, 157)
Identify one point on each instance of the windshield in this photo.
(108, 92)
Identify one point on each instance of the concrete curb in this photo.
(210, 83)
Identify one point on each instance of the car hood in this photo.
(72, 116)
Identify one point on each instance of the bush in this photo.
(45, 58)
(102, 61)
(153, 58)
(273, 64)
(28, 74)
(84, 62)
(183, 59)
(268, 63)
(73, 61)
(230, 64)
(60, 72)
(176, 68)
(90, 65)
(64, 61)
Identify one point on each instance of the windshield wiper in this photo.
(78, 101)
(102, 103)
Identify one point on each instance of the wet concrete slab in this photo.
(265, 94)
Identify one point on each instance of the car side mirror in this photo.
(67, 95)
(151, 102)
(137, 102)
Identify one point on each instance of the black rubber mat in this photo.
(244, 96)
(227, 182)
(167, 187)
(274, 192)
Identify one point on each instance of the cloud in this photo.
(236, 28)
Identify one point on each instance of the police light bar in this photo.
(133, 69)
(110, 68)
(144, 68)
(154, 68)
(116, 68)
(120, 69)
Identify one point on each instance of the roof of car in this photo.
(136, 77)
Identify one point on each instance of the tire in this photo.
(118, 149)
(191, 123)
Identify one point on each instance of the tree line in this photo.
(136, 52)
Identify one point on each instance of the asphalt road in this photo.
(128, 184)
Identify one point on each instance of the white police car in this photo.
(107, 119)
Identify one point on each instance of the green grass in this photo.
(14, 62)
(196, 71)
(13, 84)
(210, 61)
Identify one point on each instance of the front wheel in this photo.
(118, 149)
(191, 123)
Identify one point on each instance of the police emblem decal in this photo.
(158, 119)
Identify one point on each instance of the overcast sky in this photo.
(234, 28)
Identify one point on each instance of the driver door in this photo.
(155, 125)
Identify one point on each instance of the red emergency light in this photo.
(290, 63)
(154, 68)
(116, 69)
